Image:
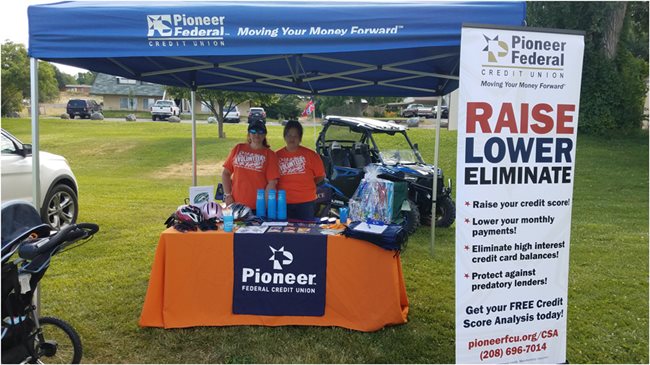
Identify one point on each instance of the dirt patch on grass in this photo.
(108, 149)
(203, 168)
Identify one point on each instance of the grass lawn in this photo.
(132, 176)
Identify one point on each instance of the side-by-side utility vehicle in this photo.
(347, 145)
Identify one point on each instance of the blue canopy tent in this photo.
(352, 48)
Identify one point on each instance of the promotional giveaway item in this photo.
(200, 195)
(228, 220)
(271, 205)
(260, 209)
(282, 205)
(343, 215)
(373, 199)
(219, 193)
(389, 237)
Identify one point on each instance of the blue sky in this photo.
(14, 26)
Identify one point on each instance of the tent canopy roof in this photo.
(303, 47)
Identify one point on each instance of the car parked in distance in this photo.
(163, 109)
(83, 108)
(255, 114)
(417, 110)
(59, 204)
(232, 115)
(445, 112)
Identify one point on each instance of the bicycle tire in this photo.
(68, 349)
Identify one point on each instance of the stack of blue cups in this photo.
(271, 206)
(282, 205)
(260, 209)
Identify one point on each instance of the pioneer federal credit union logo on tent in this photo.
(289, 281)
(159, 25)
(183, 30)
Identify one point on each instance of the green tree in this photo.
(63, 78)
(382, 100)
(635, 36)
(15, 78)
(286, 107)
(615, 66)
(86, 78)
(218, 101)
(48, 87)
(323, 103)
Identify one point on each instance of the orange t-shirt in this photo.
(251, 170)
(297, 172)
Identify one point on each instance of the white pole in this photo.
(313, 119)
(36, 166)
(193, 100)
(434, 193)
(36, 160)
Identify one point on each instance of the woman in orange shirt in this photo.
(300, 170)
(249, 167)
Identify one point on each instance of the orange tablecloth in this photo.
(191, 284)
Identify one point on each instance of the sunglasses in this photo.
(253, 131)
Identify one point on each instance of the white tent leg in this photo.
(36, 158)
(193, 100)
(36, 167)
(434, 192)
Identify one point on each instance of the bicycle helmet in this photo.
(189, 214)
(212, 210)
(239, 211)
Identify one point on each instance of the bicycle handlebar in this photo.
(69, 234)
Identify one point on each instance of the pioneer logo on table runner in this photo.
(279, 274)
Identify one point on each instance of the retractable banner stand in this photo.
(518, 119)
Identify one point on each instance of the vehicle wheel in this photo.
(446, 213)
(71, 116)
(411, 218)
(58, 343)
(60, 207)
(153, 117)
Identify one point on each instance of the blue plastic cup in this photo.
(271, 206)
(260, 204)
(282, 205)
(343, 214)
(228, 223)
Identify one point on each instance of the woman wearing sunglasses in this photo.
(249, 167)
(300, 170)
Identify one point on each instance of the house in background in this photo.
(78, 89)
(120, 93)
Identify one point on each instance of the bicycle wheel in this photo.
(58, 342)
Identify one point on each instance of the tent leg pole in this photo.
(313, 119)
(193, 99)
(434, 192)
(36, 157)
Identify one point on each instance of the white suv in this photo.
(232, 115)
(59, 205)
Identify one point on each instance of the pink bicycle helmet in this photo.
(189, 214)
(212, 210)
